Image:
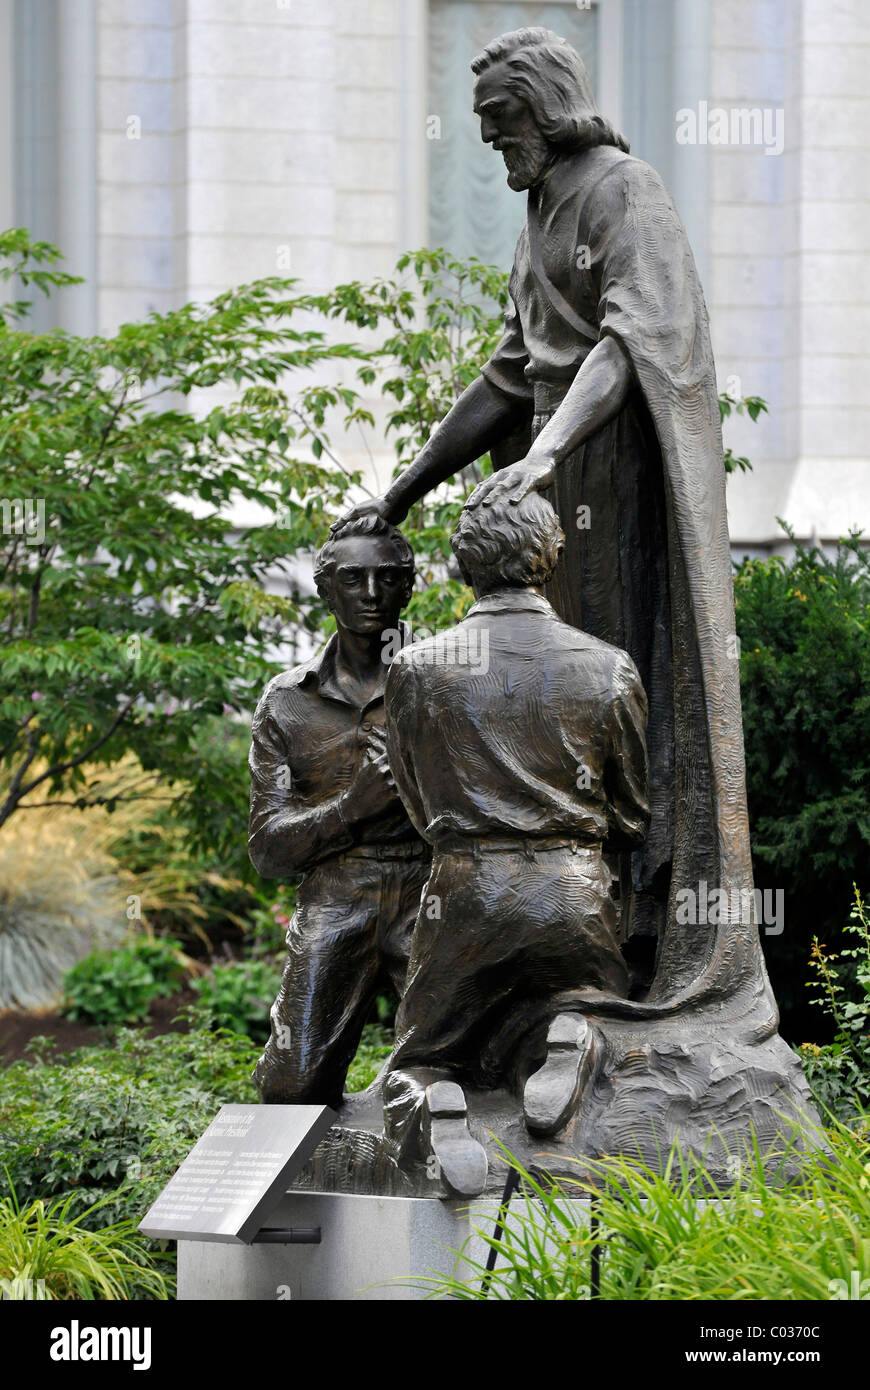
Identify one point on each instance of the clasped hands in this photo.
(373, 788)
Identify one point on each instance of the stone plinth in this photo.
(371, 1248)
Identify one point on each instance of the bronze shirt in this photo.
(543, 737)
(307, 744)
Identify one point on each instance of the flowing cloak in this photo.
(649, 568)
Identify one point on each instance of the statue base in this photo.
(661, 1084)
(371, 1248)
(385, 1219)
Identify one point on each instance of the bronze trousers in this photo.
(519, 928)
(350, 935)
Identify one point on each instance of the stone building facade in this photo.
(174, 147)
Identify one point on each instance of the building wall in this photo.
(229, 139)
(244, 138)
(7, 110)
(269, 144)
(137, 194)
(827, 352)
(788, 288)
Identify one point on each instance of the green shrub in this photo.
(266, 928)
(46, 1253)
(375, 1046)
(238, 996)
(839, 1078)
(118, 986)
(804, 629)
(61, 897)
(839, 1073)
(190, 889)
(113, 1123)
(657, 1241)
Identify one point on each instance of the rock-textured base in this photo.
(659, 1083)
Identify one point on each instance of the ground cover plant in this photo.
(46, 1253)
(112, 1123)
(652, 1239)
(804, 629)
(117, 986)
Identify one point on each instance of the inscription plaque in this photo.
(237, 1172)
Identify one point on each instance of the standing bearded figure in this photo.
(602, 395)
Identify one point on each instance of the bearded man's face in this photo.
(507, 123)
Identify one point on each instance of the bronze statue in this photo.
(602, 393)
(561, 992)
(324, 805)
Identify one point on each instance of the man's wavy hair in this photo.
(368, 525)
(508, 544)
(552, 79)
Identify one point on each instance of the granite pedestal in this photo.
(371, 1249)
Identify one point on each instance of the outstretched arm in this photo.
(597, 393)
(480, 419)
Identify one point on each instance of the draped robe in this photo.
(648, 568)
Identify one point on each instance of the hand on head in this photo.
(513, 483)
(377, 506)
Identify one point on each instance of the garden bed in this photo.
(17, 1030)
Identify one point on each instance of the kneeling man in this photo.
(519, 770)
(323, 804)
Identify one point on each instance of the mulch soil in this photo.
(17, 1030)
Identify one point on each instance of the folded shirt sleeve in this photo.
(287, 835)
